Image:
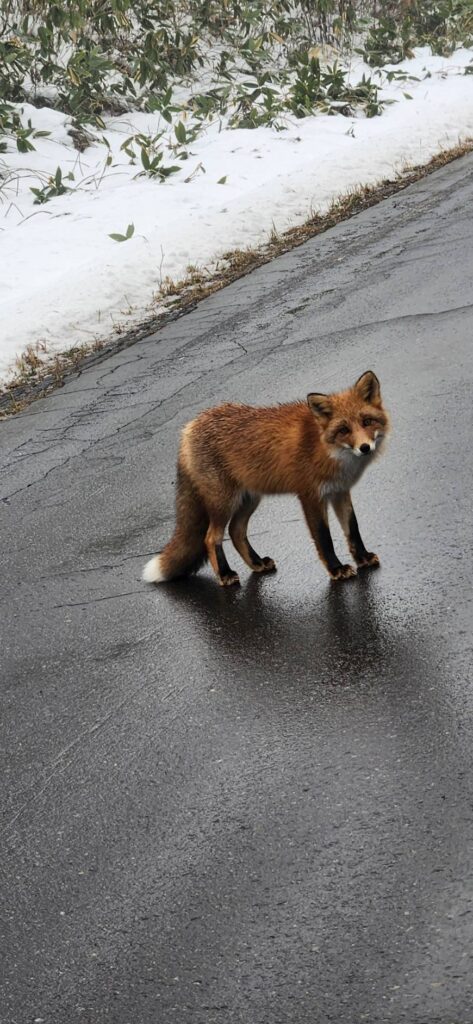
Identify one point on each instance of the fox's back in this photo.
(260, 448)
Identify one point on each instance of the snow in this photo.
(64, 281)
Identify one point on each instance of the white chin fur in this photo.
(152, 571)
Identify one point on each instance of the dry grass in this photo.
(36, 374)
(29, 362)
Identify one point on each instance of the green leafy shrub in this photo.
(55, 187)
(330, 91)
(262, 61)
(386, 43)
(440, 24)
(11, 126)
(117, 237)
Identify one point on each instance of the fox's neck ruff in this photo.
(347, 468)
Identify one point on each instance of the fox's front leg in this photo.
(345, 513)
(315, 512)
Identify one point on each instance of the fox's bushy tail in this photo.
(186, 551)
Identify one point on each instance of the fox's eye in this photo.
(367, 421)
(344, 430)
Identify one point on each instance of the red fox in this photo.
(233, 454)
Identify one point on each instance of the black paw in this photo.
(344, 572)
(369, 561)
(231, 579)
(267, 565)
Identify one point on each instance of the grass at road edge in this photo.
(37, 374)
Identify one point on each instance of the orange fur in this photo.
(232, 454)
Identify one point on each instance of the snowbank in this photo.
(65, 281)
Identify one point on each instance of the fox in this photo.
(231, 455)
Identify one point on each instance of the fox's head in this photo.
(352, 420)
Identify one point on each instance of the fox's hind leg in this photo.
(345, 513)
(214, 544)
(238, 533)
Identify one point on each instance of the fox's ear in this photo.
(368, 387)
(320, 405)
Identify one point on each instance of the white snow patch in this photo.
(64, 281)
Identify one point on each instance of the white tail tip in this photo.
(152, 571)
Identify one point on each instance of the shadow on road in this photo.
(347, 634)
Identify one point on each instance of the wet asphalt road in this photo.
(249, 806)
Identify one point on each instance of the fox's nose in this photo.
(365, 448)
